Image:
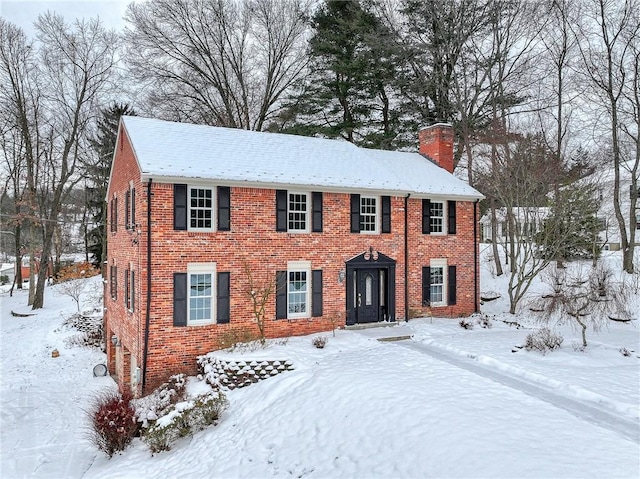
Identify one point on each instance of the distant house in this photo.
(528, 220)
(344, 235)
(610, 236)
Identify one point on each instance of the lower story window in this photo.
(200, 290)
(437, 284)
(298, 294)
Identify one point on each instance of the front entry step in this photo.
(381, 324)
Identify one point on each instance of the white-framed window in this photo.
(201, 201)
(298, 212)
(298, 289)
(437, 218)
(201, 293)
(369, 214)
(438, 282)
(638, 221)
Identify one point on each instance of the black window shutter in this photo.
(355, 213)
(179, 207)
(224, 208)
(126, 289)
(112, 281)
(133, 290)
(426, 217)
(316, 204)
(115, 282)
(386, 214)
(223, 306)
(281, 210)
(281, 294)
(451, 223)
(133, 208)
(115, 214)
(316, 293)
(426, 286)
(127, 209)
(451, 285)
(179, 299)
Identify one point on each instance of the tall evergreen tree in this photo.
(347, 93)
(97, 173)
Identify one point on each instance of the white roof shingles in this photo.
(182, 150)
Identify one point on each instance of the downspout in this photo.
(148, 308)
(475, 257)
(406, 257)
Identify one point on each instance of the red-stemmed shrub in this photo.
(113, 422)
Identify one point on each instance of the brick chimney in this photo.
(436, 142)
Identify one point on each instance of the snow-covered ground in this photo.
(448, 403)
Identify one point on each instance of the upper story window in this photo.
(436, 221)
(438, 217)
(370, 214)
(201, 209)
(298, 212)
(130, 208)
(114, 214)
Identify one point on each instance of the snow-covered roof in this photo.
(172, 151)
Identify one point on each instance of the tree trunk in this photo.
(494, 236)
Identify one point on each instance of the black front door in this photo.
(368, 296)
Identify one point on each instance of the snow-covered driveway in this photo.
(592, 411)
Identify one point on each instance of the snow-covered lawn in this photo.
(449, 403)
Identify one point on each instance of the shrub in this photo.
(76, 271)
(113, 422)
(319, 341)
(90, 327)
(543, 340)
(466, 324)
(4, 279)
(625, 352)
(158, 403)
(184, 418)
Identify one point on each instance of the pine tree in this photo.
(97, 174)
(347, 93)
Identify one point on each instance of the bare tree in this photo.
(259, 293)
(582, 298)
(53, 92)
(609, 34)
(219, 62)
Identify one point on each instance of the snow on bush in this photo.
(156, 404)
(319, 341)
(543, 340)
(184, 418)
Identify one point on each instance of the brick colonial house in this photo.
(343, 234)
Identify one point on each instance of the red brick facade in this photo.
(253, 243)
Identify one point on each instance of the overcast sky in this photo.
(24, 12)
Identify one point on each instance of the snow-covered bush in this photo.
(157, 404)
(543, 340)
(319, 341)
(466, 323)
(184, 418)
(90, 326)
(113, 422)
